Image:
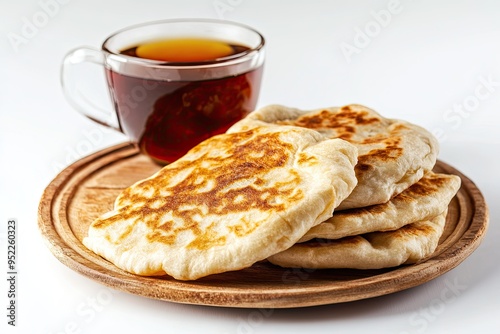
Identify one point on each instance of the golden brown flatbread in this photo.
(425, 199)
(231, 201)
(393, 154)
(408, 244)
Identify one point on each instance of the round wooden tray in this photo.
(88, 188)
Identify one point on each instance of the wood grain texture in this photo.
(88, 188)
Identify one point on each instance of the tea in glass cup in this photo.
(174, 83)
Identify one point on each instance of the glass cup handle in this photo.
(74, 87)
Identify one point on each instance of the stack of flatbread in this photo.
(328, 188)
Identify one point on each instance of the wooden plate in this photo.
(87, 188)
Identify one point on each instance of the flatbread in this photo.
(409, 244)
(425, 199)
(231, 201)
(393, 154)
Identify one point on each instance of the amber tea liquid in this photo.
(167, 118)
(185, 50)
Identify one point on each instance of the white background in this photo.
(434, 63)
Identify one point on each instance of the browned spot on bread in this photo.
(305, 159)
(245, 227)
(384, 154)
(360, 167)
(415, 229)
(428, 185)
(208, 239)
(342, 123)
